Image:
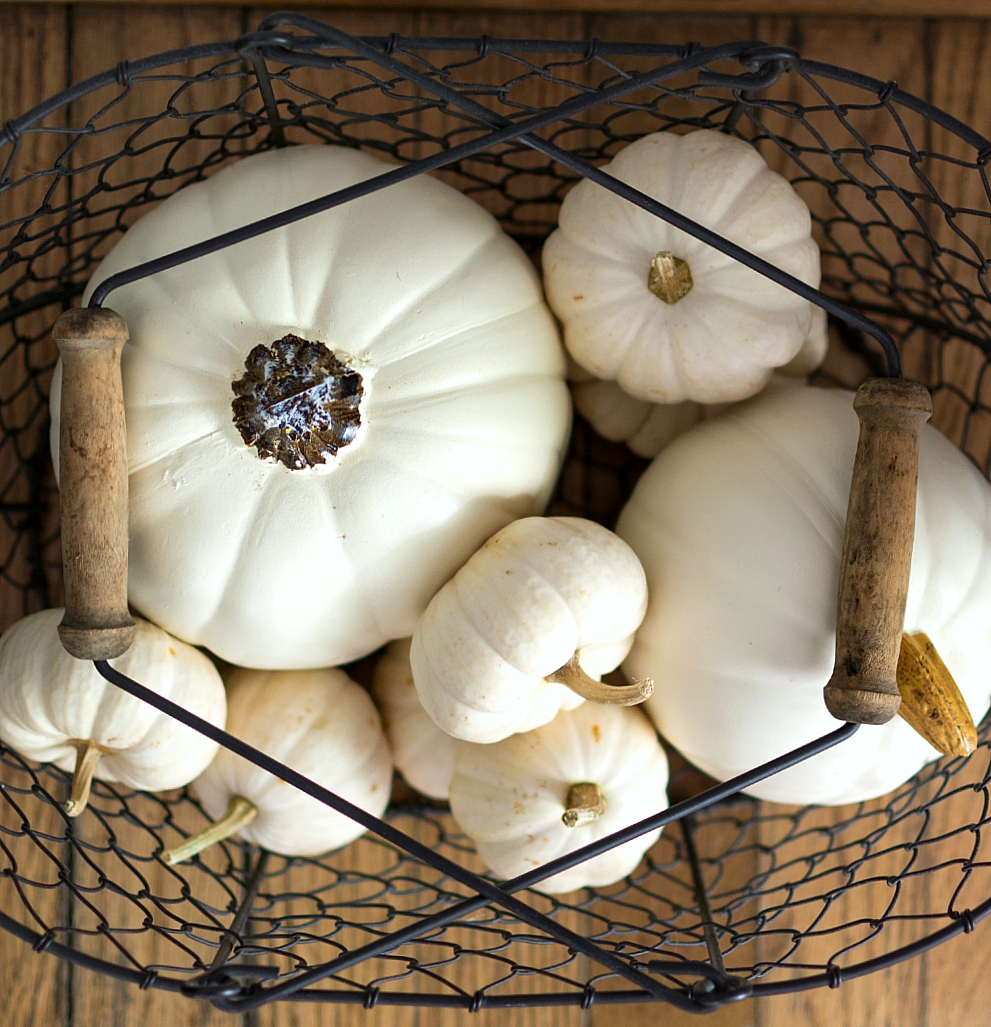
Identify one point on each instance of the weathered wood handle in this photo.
(877, 550)
(93, 484)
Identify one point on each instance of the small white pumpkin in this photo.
(646, 428)
(319, 723)
(423, 754)
(739, 526)
(397, 391)
(668, 317)
(537, 796)
(57, 709)
(546, 606)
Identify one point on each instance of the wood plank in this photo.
(121, 927)
(840, 8)
(343, 883)
(715, 835)
(728, 859)
(797, 897)
(33, 48)
(33, 42)
(846, 185)
(819, 914)
(960, 55)
(307, 88)
(516, 188)
(131, 911)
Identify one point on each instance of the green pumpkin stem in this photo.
(240, 813)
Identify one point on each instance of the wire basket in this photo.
(736, 899)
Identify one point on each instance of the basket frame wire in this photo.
(221, 983)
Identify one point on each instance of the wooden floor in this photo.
(45, 47)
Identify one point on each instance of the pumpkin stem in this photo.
(572, 675)
(931, 701)
(87, 756)
(585, 804)
(669, 278)
(297, 402)
(240, 813)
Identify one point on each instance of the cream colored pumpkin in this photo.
(319, 723)
(540, 595)
(423, 754)
(719, 341)
(446, 406)
(739, 526)
(512, 797)
(57, 709)
(646, 427)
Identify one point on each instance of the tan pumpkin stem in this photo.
(87, 756)
(572, 675)
(931, 701)
(670, 278)
(585, 804)
(240, 813)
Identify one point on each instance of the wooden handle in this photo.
(93, 485)
(877, 550)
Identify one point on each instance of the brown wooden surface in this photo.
(846, 8)
(43, 47)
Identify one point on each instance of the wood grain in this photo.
(960, 54)
(32, 66)
(32, 45)
(840, 8)
(98, 42)
(484, 959)
(947, 987)
(151, 916)
(93, 485)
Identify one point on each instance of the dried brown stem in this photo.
(931, 701)
(670, 278)
(572, 675)
(584, 805)
(87, 756)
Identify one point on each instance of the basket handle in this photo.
(877, 550)
(93, 484)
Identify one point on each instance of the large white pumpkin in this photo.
(443, 418)
(739, 526)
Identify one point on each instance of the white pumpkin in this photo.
(319, 723)
(547, 605)
(423, 754)
(739, 526)
(57, 709)
(443, 414)
(518, 800)
(617, 276)
(646, 428)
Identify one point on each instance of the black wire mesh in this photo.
(792, 897)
